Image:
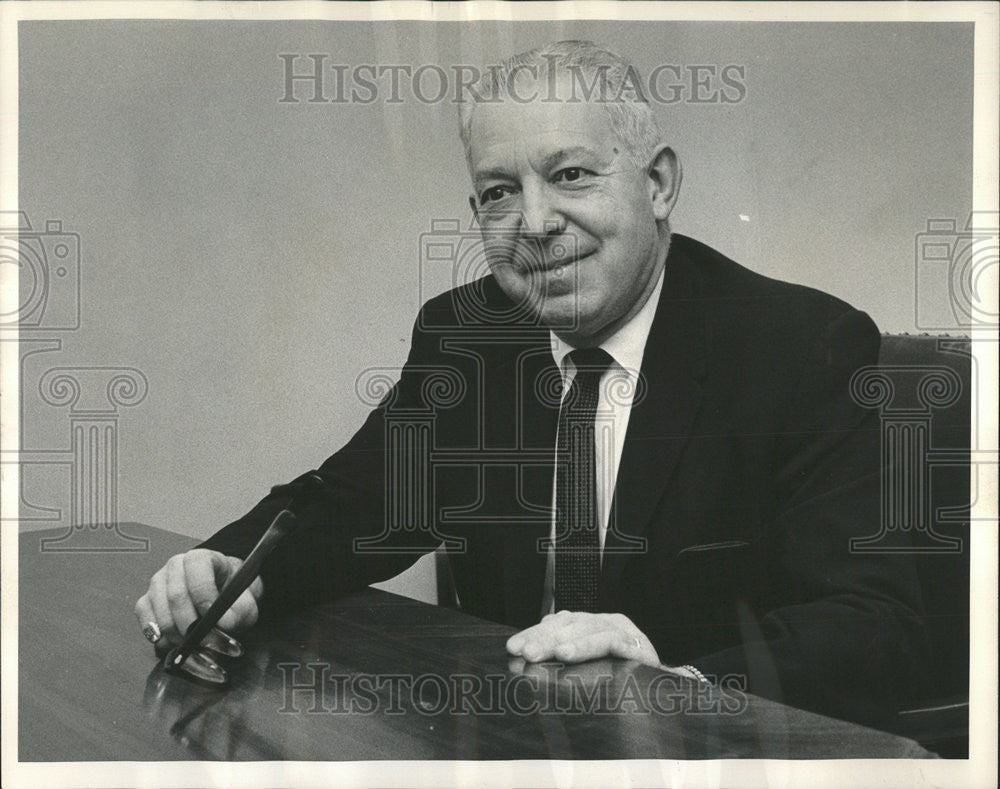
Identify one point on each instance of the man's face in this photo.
(569, 222)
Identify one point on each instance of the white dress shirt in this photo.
(614, 404)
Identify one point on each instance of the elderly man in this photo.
(648, 451)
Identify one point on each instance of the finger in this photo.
(157, 595)
(629, 644)
(516, 665)
(242, 614)
(257, 588)
(144, 613)
(585, 625)
(541, 633)
(227, 566)
(636, 647)
(541, 644)
(534, 643)
(181, 607)
(595, 644)
(206, 572)
(144, 610)
(200, 577)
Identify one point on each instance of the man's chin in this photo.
(548, 304)
(565, 320)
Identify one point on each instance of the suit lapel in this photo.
(659, 426)
(531, 508)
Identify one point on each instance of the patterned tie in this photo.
(577, 546)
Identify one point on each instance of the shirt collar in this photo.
(627, 345)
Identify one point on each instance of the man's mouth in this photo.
(559, 266)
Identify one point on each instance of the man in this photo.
(647, 451)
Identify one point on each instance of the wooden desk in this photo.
(90, 688)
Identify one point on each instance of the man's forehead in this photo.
(538, 126)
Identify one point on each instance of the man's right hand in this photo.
(184, 589)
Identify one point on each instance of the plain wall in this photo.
(251, 257)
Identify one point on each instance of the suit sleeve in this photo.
(320, 560)
(841, 630)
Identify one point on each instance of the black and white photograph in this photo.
(499, 394)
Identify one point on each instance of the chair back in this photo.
(926, 433)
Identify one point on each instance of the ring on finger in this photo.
(152, 632)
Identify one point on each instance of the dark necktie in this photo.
(577, 546)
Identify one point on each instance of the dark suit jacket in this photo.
(746, 470)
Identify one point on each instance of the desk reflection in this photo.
(210, 723)
(601, 709)
(370, 676)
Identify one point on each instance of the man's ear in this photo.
(472, 205)
(664, 181)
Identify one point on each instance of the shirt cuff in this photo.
(689, 671)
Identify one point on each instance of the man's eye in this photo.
(571, 174)
(493, 194)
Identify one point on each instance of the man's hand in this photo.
(184, 589)
(575, 637)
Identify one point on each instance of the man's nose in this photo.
(540, 217)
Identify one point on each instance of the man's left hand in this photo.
(574, 637)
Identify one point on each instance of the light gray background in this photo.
(252, 257)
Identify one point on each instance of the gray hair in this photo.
(614, 80)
